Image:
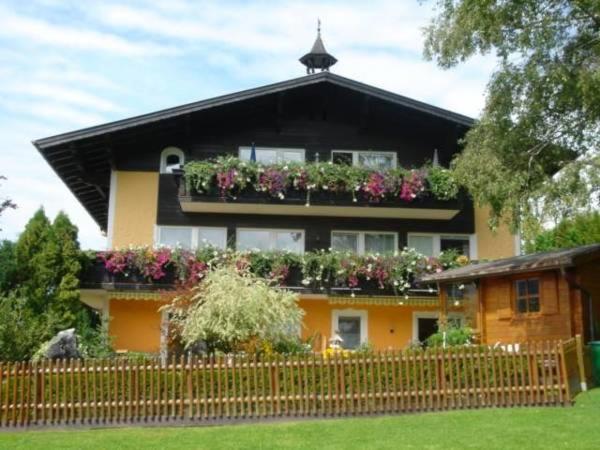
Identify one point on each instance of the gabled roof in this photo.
(526, 263)
(321, 77)
(83, 158)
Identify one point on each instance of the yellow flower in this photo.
(462, 260)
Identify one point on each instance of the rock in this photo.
(63, 345)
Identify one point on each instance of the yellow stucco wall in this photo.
(388, 326)
(136, 200)
(490, 244)
(135, 325)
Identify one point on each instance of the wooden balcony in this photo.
(321, 203)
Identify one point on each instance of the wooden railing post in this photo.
(580, 364)
(564, 372)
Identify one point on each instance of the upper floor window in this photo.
(369, 159)
(191, 237)
(527, 296)
(171, 158)
(434, 244)
(265, 240)
(364, 242)
(272, 155)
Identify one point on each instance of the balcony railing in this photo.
(238, 187)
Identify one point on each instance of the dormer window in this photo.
(171, 158)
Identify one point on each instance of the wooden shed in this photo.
(550, 295)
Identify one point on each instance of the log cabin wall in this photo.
(559, 316)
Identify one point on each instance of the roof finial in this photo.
(318, 58)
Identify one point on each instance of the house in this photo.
(542, 296)
(127, 175)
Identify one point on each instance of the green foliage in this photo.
(8, 266)
(229, 176)
(20, 331)
(231, 307)
(292, 345)
(542, 112)
(442, 183)
(40, 275)
(581, 230)
(451, 336)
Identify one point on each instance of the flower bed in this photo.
(231, 177)
(319, 270)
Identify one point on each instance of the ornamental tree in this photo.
(534, 151)
(230, 307)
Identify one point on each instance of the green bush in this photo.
(451, 336)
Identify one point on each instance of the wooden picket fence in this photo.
(228, 388)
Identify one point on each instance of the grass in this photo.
(523, 428)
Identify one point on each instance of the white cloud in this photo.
(39, 31)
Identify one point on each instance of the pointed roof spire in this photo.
(318, 58)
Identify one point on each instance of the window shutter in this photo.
(549, 293)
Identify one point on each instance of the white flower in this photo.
(281, 196)
(325, 187)
(396, 283)
(406, 285)
(305, 282)
(285, 167)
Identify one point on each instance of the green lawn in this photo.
(576, 427)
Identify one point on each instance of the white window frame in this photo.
(195, 234)
(355, 153)
(361, 238)
(279, 151)
(168, 152)
(363, 314)
(431, 315)
(272, 232)
(437, 241)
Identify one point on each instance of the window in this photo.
(434, 244)
(171, 158)
(268, 155)
(351, 326)
(364, 242)
(191, 237)
(372, 160)
(527, 296)
(257, 239)
(425, 323)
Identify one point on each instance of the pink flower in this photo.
(412, 185)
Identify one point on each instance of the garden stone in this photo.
(63, 345)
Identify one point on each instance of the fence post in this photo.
(563, 371)
(579, 348)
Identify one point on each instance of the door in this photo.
(426, 327)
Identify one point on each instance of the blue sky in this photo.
(65, 65)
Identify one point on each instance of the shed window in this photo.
(527, 295)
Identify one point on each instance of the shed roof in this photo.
(517, 264)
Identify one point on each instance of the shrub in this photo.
(230, 307)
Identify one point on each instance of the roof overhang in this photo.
(536, 262)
